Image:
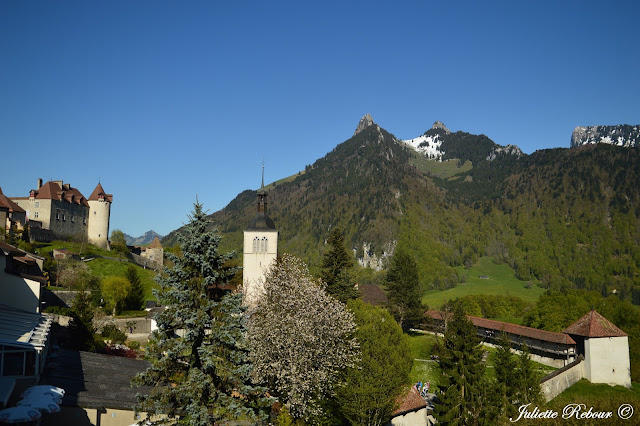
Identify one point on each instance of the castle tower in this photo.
(605, 348)
(260, 249)
(99, 212)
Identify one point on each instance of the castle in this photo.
(60, 208)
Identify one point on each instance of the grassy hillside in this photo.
(500, 280)
(101, 267)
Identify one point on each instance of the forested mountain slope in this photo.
(569, 217)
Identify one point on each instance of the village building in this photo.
(21, 278)
(24, 332)
(260, 250)
(154, 253)
(63, 211)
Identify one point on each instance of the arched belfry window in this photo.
(255, 244)
(264, 244)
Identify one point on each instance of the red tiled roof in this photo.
(52, 191)
(49, 191)
(8, 204)
(408, 402)
(95, 195)
(520, 330)
(155, 243)
(594, 325)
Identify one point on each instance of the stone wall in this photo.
(145, 263)
(142, 325)
(560, 380)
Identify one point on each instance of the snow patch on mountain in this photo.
(429, 146)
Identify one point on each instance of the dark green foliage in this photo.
(113, 333)
(203, 377)
(337, 269)
(370, 391)
(404, 290)
(505, 390)
(82, 320)
(462, 399)
(135, 298)
(528, 381)
(493, 306)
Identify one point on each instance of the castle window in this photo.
(64, 217)
(84, 220)
(37, 204)
(73, 219)
(57, 216)
(35, 215)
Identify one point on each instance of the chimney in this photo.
(39, 183)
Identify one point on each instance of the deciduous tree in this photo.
(370, 389)
(203, 376)
(115, 290)
(301, 339)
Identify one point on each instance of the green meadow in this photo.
(485, 277)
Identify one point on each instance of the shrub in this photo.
(111, 332)
(132, 344)
(58, 310)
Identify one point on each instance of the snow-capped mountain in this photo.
(620, 135)
(430, 142)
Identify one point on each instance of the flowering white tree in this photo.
(300, 338)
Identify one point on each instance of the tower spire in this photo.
(262, 187)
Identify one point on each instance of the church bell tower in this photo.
(260, 249)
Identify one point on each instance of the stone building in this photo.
(62, 209)
(605, 348)
(260, 250)
(154, 252)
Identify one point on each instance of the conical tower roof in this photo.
(95, 195)
(594, 325)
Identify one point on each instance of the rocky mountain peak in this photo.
(620, 135)
(365, 122)
(440, 125)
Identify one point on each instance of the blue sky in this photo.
(165, 100)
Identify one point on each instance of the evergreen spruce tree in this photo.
(404, 290)
(506, 386)
(529, 382)
(202, 377)
(135, 298)
(82, 320)
(462, 374)
(337, 269)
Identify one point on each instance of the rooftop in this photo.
(92, 380)
(8, 204)
(519, 330)
(23, 328)
(594, 325)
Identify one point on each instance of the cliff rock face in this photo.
(365, 122)
(620, 135)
